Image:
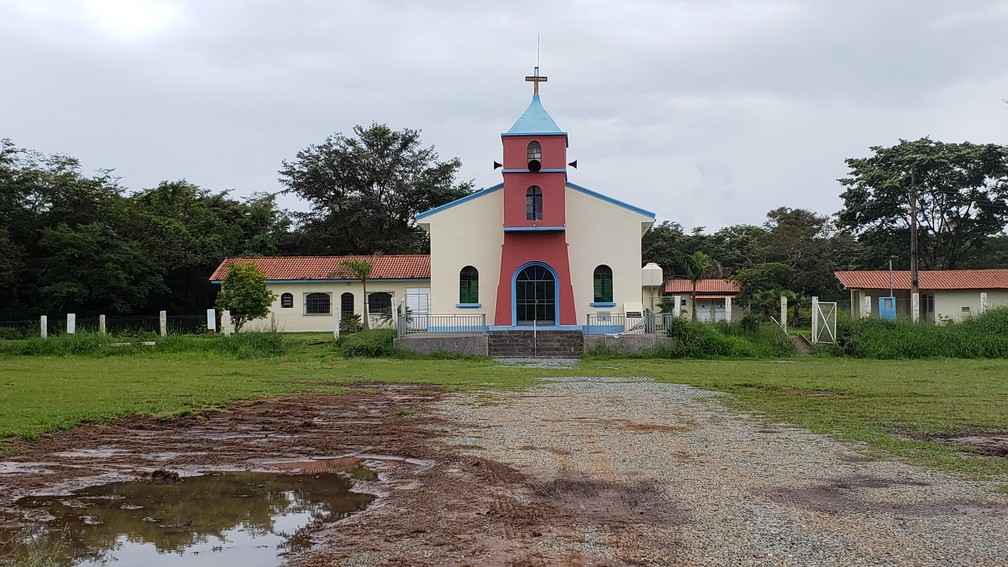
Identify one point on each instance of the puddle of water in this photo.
(246, 519)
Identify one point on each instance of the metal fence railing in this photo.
(623, 324)
(412, 323)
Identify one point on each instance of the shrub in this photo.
(373, 343)
(244, 345)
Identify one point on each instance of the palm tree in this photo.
(360, 268)
(697, 266)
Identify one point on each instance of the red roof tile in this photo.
(927, 279)
(288, 268)
(707, 287)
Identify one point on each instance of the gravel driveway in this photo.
(663, 474)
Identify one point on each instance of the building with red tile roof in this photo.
(715, 298)
(314, 292)
(943, 294)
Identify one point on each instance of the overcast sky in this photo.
(708, 113)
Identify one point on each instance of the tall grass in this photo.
(373, 344)
(697, 340)
(242, 345)
(981, 336)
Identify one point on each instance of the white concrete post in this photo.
(727, 309)
(335, 323)
(783, 313)
(677, 301)
(915, 307)
(71, 327)
(983, 301)
(163, 321)
(101, 324)
(211, 321)
(866, 312)
(44, 326)
(815, 319)
(225, 323)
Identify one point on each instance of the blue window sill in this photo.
(604, 304)
(468, 305)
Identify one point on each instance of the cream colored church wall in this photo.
(467, 234)
(294, 319)
(602, 233)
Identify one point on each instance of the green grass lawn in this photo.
(851, 400)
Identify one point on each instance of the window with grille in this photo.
(379, 301)
(287, 300)
(318, 303)
(346, 304)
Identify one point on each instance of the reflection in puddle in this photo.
(245, 519)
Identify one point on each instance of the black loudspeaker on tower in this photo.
(534, 165)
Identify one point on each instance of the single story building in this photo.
(715, 299)
(314, 292)
(944, 295)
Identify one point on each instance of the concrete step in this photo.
(544, 344)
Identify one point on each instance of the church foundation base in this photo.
(536, 344)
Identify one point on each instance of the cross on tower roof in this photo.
(536, 79)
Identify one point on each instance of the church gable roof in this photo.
(535, 120)
(421, 216)
(610, 200)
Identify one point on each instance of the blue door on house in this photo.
(887, 308)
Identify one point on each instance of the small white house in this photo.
(715, 299)
(944, 295)
(313, 292)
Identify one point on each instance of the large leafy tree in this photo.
(365, 190)
(962, 199)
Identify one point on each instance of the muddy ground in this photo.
(534, 479)
(431, 498)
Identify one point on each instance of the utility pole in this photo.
(913, 232)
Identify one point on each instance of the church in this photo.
(536, 249)
(533, 252)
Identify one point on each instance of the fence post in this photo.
(783, 313)
(44, 325)
(211, 321)
(815, 319)
(915, 307)
(983, 301)
(225, 323)
(335, 323)
(101, 324)
(71, 327)
(163, 321)
(866, 309)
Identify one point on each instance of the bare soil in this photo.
(431, 497)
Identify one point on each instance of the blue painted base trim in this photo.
(533, 228)
(554, 170)
(604, 304)
(604, 330)
(457, 329)
(468, 305)
(537, 328)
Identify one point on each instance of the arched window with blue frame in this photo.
(602, 281)
(469, 285)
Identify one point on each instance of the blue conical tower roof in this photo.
(535, 120)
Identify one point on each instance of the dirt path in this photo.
(574, 472)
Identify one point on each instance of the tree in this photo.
(769, 276)
(365, 190)
(244, 293)
(696, 267)
(360, 268)
(962, 199)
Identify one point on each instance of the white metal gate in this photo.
(823, 321)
